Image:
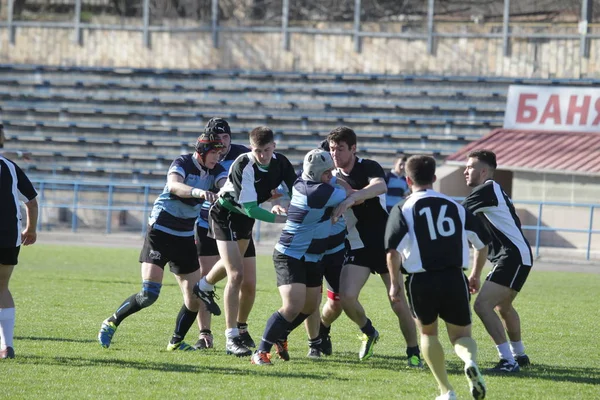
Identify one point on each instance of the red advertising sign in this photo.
(551, 108)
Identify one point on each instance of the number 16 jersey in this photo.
(431, 230)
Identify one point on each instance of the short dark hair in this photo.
(420, 169)
(486, 156)
(403, 157)
(342, 134)
(261, 136)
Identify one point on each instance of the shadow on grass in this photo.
(170, 367)
(590, 375)
(559, 373)
(377, 361)
(110, 281)
(54, 339)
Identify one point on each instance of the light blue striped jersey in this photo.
(397, 189)
(175, 215)
(308, 226)
(337, 236)
(234, 151)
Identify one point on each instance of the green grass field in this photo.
(64, 292)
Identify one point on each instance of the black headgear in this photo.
(217, 126)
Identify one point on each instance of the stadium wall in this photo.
(529, 57)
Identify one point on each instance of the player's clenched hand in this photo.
(210, 196)
(28, 237)
(277, 209)
(341, 208)
(474, 284)
(394, 293)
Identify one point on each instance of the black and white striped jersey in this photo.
(12, 182)
(430, 230)
(365, 221)
(508, 242)
(250, 182)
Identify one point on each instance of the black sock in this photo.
(129, 306)
(316, 342)
(185, 320)
(242, 327)
(413, 351)
(294, 324)
(324, 330)
(275, 329)
(368, 328)
(205, 332)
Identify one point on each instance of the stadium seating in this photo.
(122, 123)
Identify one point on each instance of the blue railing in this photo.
(149, 191)
(74, 204)
(538, 228)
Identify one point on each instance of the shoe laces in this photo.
(108, 328)
(208, 338)
(504, 364)
(237, 342)
(213, 295)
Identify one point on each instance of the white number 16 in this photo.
(445, 225)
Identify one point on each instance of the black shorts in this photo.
(291, 270)
(442, 293)
(206, 246)
(510, 275)
(332, 269)
(372, 257)
(179, 251)
(227, 225)
(9, 255)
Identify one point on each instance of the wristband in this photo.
(197, 193)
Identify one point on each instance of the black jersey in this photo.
(249, 182)
(12, 182)
(508, 242)
(365, 221)
(431, 230)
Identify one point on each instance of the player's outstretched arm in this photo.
(180, 189)
(375, 187)
(253, 210)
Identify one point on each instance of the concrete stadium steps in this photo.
(84, 115)
(167, 105)
(129, 124)
(264, 91)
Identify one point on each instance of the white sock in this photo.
(7, 327)
(505, 353)
(231, 333)
(517, 348)
(205, 286)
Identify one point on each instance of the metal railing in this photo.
(73, 203)
(583, 35)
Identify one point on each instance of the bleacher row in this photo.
(129, 124)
